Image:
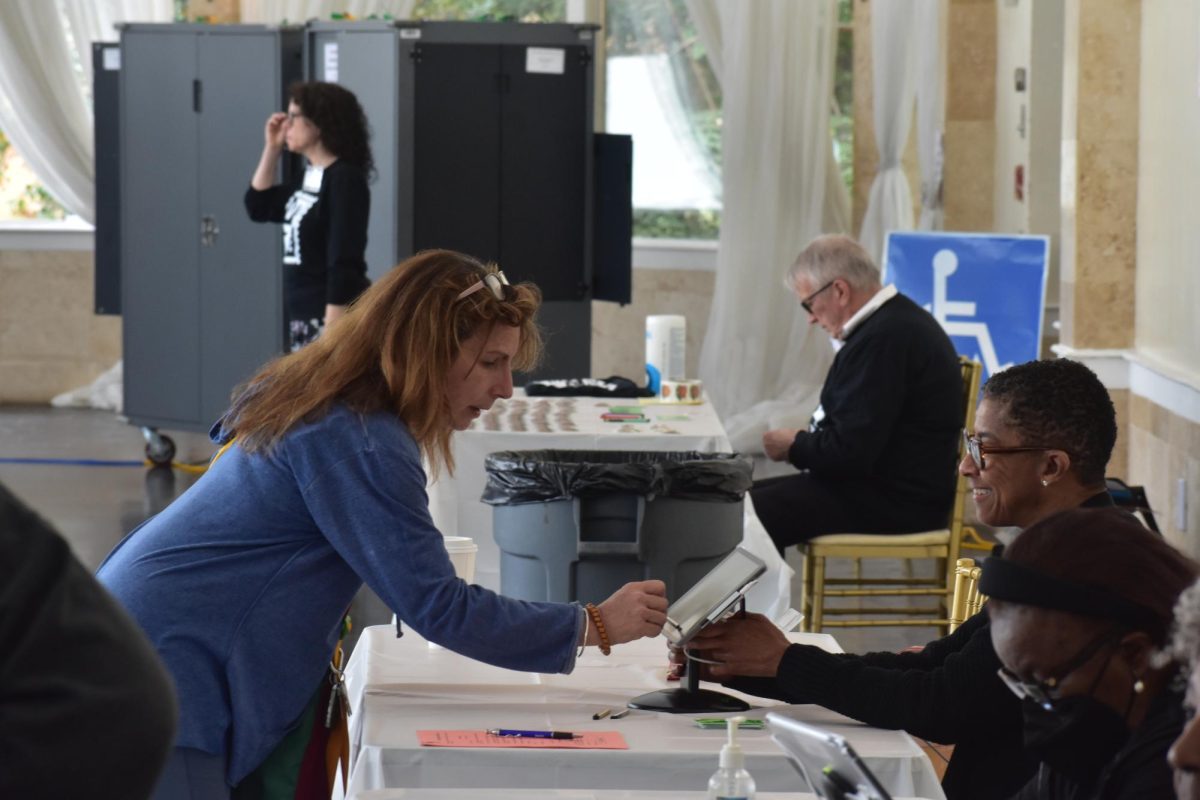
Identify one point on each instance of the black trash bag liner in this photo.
(538, 476)
(612, 386)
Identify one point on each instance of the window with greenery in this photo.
(842, 117)
(492, 10)
(662, 90)
(22, 196)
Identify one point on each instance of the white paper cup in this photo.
(462, 550)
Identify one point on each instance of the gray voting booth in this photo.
(483, 141)
(199, 282)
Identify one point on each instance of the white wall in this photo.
(1168, 208)
(1013, 45)
(1029, 123)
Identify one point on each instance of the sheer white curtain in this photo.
(43, 110)
(893, 54)
(44, 107)
(760, 364)
(931, 103)
(91, 21)
(273, 12)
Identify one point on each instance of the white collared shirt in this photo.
(871, 306)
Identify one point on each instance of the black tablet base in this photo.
(688, 699)
(683, 701)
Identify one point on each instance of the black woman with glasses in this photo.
(324, 212)
(1081, 603)
(242, 582)
(878, 455)
(1043, 434)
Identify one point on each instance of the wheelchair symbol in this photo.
(945, 264)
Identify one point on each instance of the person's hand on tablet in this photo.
(635, 610)
(750, 645)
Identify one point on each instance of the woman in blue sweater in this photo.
(242, 582)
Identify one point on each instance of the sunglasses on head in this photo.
(494, 281)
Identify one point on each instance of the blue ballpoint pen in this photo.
(531, 734)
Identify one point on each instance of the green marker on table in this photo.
(719, 723)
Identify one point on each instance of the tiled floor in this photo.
(94, 506)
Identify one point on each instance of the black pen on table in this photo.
(511, 732)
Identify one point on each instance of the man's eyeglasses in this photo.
(1046, 693)
(494, 281)
(978, 451)
(806, 303)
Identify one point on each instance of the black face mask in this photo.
(1077, 739)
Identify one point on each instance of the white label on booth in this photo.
(547, 60)
(331, 62)
(112, 58)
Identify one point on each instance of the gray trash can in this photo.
(575, 525)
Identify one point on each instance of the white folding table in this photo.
(400, 686)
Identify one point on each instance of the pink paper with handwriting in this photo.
(587, 740)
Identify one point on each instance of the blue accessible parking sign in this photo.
(987, 290)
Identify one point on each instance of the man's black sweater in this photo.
(893, 409)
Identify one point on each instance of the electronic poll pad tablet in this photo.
(713, 595)
(827, 761)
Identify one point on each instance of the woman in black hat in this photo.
(1080, 604)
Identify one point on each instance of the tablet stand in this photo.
(689, 699)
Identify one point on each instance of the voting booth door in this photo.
(200, 284)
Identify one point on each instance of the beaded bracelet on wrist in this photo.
(605, 644)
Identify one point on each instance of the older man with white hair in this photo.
(879, 454)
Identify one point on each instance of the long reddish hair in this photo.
(390, 352)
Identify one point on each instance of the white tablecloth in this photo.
(560, 794)
(399, 686)
(547, 422)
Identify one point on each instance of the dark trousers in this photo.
(796, 508)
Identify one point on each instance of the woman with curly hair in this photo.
(325, 213)
(242, 582)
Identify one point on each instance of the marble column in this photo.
(1101, 55)
(970, 138)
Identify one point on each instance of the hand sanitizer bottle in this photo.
(731, 781)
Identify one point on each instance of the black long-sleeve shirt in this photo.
(86, 707)
(947, 693)
(324, 236)
(1138, 771)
